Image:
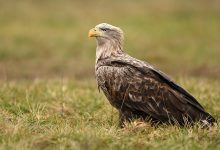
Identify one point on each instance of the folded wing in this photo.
(136, 85)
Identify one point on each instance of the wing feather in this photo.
(148, 70)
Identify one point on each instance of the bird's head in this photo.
(106, 33)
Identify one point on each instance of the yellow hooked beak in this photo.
(94, 32)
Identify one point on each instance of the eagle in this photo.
(137, 89)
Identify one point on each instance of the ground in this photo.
(63, 114)
(48, 94)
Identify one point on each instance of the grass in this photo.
(48, 94)
(63, 114)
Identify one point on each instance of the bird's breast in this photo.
(112, 82)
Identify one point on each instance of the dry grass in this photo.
(64, 114)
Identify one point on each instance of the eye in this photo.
(103, 29)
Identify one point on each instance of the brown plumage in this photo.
(138, 90)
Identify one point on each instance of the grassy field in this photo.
(48, 94)
(63, 114)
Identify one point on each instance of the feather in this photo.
(148, 92)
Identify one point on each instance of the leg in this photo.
(125, 116)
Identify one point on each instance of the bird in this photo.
(137, 89)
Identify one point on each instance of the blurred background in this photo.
(47, 39)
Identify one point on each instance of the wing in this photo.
(131, 83)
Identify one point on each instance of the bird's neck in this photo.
(107, 49)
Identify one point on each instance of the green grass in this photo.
(63, 114)
(48, 94)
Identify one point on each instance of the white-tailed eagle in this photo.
(138, 90)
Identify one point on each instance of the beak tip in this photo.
(90, 34)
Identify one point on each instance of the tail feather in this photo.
(207, 120)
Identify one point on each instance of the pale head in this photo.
(109, 40)
(105, 33)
